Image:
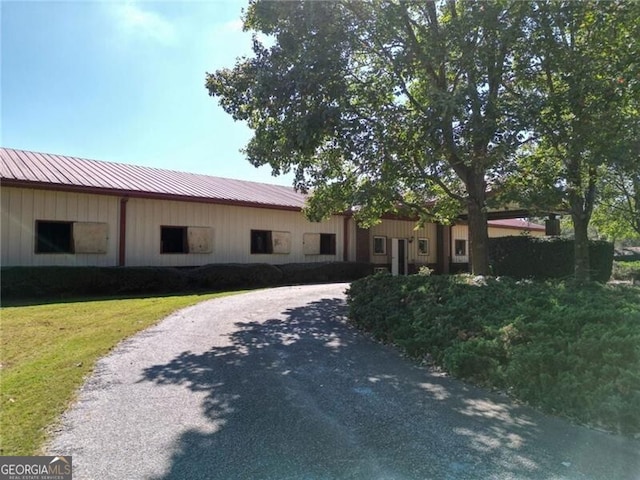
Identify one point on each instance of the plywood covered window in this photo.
(176, 239)
(200, 239)
(267, 242)
(319, 243)
(90, 237)
(71, 237)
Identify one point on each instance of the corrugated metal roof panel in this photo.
(48, 169)
(519, 223)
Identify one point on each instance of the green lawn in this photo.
(48, 350)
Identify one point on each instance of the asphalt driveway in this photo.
(274, 384)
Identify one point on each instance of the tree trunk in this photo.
(581, 255)
(478, 230)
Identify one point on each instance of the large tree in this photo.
(617, 213)
(585, 75)
(384, 105)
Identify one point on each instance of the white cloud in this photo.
(134, 20)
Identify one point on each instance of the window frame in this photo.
(39, 241)
(426, 252)
(331, 239)
(185, 240)
(268, 241)
(464, 247)
(384, 244)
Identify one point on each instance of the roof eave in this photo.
(138, 194)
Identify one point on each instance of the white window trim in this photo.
(384, 245)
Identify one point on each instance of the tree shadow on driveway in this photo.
(309, 397)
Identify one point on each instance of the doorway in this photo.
(399, 257)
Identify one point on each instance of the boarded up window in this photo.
(266, 241)
(319, 243)
(186, 239)
(311, 243)
(200, 239)
(90, 237)
(281, 242)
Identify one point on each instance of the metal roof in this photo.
(516, 223)
(44, 170)
(60, 172)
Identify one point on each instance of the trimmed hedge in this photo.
(40, 282)
(569, 350)
(532, 257)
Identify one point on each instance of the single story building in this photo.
(60, 210)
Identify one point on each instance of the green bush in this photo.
(294, 273)
(64, 282)
(532, 257)
(34, 282)
(220, 277)
(569, 350)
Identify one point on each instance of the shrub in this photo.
(569, 350)
(226, 276)
(32, 282)
(294, 273)
(40, 282)
(531, 257)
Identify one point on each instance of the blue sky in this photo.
(124, 81)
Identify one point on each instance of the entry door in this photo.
(399, 256)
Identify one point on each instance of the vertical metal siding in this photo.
(459, 232)
(351, 232)
(231, 232)
(22, 207)
(406, 229)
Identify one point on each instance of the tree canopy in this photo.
(583, 78)
(383, 105)
(426, 107)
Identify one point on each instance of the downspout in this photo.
(122, 247)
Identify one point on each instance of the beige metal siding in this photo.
(459, 232)
(21, 207)
(231, 233)
(351, 232)
(405, 229)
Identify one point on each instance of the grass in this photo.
(629, 271)
(48, 350)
